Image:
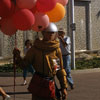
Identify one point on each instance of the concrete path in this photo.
(87, 86)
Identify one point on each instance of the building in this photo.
(87, 33)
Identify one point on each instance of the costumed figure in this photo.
(44, 55)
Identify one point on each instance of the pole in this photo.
(14, 65)
(72, 26)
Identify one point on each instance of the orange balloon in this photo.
(57, 13)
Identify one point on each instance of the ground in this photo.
(87, 85)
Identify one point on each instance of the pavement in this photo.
(87, 85)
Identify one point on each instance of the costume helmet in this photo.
(51, 28)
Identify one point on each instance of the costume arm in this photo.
(59, 55)
(61, 75)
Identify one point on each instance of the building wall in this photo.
(7, 43)
(95, 14)
(81, 19)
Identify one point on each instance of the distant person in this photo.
(65, 45)
(4, 95)
(28, 45)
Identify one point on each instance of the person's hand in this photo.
(16, 52)
(64, 94)
(16, 55)
(59, 37)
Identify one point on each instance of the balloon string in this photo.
(14, 68)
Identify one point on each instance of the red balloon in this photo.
(41, 21)
(5, 7)
(45, 5)
(12, 10)
(7, 26)
(63, 2)
(23, 19)
(33, 10)
(28, 4)
(16, 8)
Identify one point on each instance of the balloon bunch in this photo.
(29, 14)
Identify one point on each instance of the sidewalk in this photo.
(86, 71)
(87, 85)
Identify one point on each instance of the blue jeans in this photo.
(67, 67)
(29, 69)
